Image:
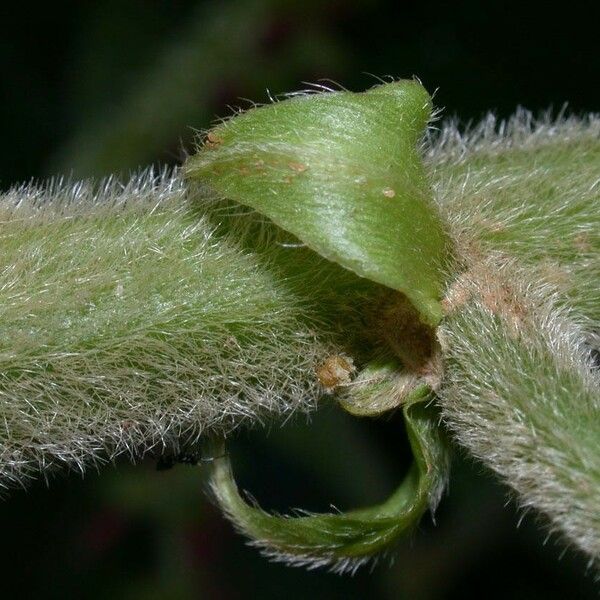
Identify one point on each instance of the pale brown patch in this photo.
(582, 242)
(553, 273)
(335, 370)
(389, 192)
(491, 225)
(432, 371)
(458, 295)
(480, 221)
(212, 140)
(231, 343)
(397, 322)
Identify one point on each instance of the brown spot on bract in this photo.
(335, 370)
(298, 167)
(389, 192)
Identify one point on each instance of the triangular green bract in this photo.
(341, 171)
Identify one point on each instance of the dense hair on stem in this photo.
(132, 319)
(522, 200)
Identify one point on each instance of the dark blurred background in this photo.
(91, 88)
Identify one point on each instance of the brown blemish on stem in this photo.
(456, 297)
(493, 290)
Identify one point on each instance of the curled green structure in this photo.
(342, 172)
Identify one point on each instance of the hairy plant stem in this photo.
(137, 317)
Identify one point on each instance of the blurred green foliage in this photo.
(92, 88)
